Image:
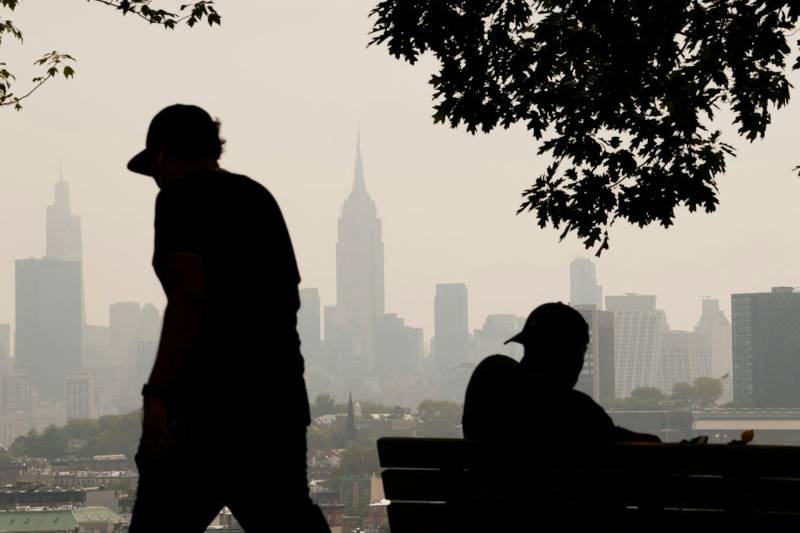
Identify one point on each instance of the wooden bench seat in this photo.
(632, 486)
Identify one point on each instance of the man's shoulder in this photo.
(497, 363)
(493, 370)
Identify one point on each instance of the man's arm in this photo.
(182, 321)
(182, 318)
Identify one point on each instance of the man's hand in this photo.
(157, 438)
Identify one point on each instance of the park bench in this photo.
(631, 486)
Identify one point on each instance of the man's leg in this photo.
(286, 483)
(172, 497)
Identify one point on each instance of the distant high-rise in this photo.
(583, 286)
(359, 268)
(766, 348)
(491, 338)
(48, 322)
(308, 326)
(451, 326)
(398, 348)
(5, 350)
(714, 338)
(63, 228)
(81, 394)
(678, 354)
(638, 327)
(15, 393)
(598, 374)
(63, 240)
(124, 329)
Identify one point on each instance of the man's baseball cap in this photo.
(553, 319)
(184, 131)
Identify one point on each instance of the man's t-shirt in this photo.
(506, 405)
(248, 352)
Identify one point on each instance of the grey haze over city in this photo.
(290, 86)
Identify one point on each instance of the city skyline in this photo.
(448, 199)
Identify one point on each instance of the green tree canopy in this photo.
(621, 94)
(324, 404)
(707, 391)
(55, 63)
(437, 418)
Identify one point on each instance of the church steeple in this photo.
(350, 430)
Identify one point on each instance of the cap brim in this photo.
(142, 163)
(516, 338)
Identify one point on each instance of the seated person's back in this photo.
(526, 419)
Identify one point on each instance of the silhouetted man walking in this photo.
(225, 407)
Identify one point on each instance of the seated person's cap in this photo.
(553, 319)
(182, 130)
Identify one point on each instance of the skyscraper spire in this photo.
(359, 184)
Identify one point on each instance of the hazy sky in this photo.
(289, 80)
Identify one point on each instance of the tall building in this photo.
(638, 327)
(398, 348)
(124, 329)
(597, 377)
(359, 268)
(63, 240)
(451, 327)
(308, 326)
(96, 347)
(714, 334)
(81, 394)
(677, 360)
(766, 348)
(15, 394)
(491, 338)
(583, 286)
(63, 228)
(5, 350)
(48, 322)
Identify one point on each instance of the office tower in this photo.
(63, 238)
(491, 338)
(48, 322)
(678, 352)
(451, 326)
(638, 327)
(308, 326)
(149, 328)
(6, 364)
(714, 337)
(583, 286)
(124, 329)
(398, 348)
(766, 348)
(63, 228)
(81, 394)
(15, 393)
(597, 378)
(359, 269)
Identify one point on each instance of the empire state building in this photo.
(359, 268)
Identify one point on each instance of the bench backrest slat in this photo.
(688, 482)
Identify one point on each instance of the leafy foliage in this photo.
(621, 94)
(106, 435)
(55, 63)
(703, 393)
(439, 418)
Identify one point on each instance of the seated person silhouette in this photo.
(526, 421)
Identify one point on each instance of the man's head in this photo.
(181, 139)
(555, 337)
